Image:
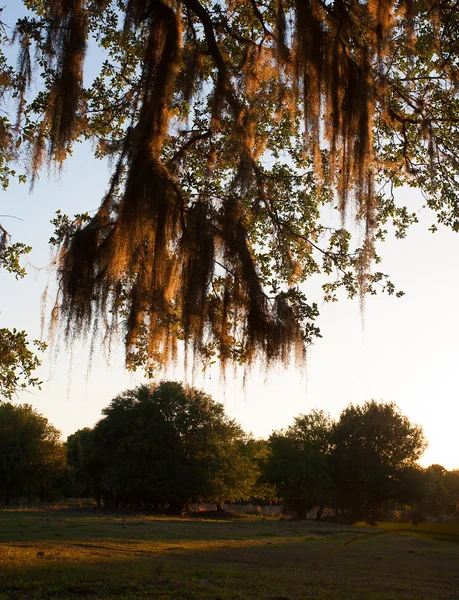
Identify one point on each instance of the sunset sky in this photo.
(403, 350)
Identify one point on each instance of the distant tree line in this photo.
(163, 448)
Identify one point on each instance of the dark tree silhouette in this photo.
(298, 464)
(375, 450)
(32, 455)
(168, 446)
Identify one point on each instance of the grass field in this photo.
(70, 554)
(445, 532)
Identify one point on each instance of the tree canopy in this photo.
(441, 499)
(169, 445)
(298, 463)
(230, 125)
(375, 451)
(358, 465)
(32, 456)
(85, 462)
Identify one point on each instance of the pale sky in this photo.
(406, 352)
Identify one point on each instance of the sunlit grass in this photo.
(91, 554)
(448, 532)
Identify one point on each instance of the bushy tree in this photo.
(229, 125)
(169, 445)
(364, 462)
(32, 455)
(441, 493)
(85, 463)
(375, 450)
(258, 451)
(298, 463)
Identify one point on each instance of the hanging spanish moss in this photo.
(67, 42)
(186, 241)
(3, 239)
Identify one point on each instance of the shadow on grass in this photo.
(445, 532)
(69, 526)
(75, 555)
(266, 572)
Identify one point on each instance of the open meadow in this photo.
(69, 554)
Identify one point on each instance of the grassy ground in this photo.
(89, 554)
(445, 532)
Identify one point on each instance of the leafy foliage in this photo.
(375, 449)
(231, 125)
(165, 446)
(17, 361)
(32, 456)
(357, 465)
(85, 464)
(441, 497)
(298, 463)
